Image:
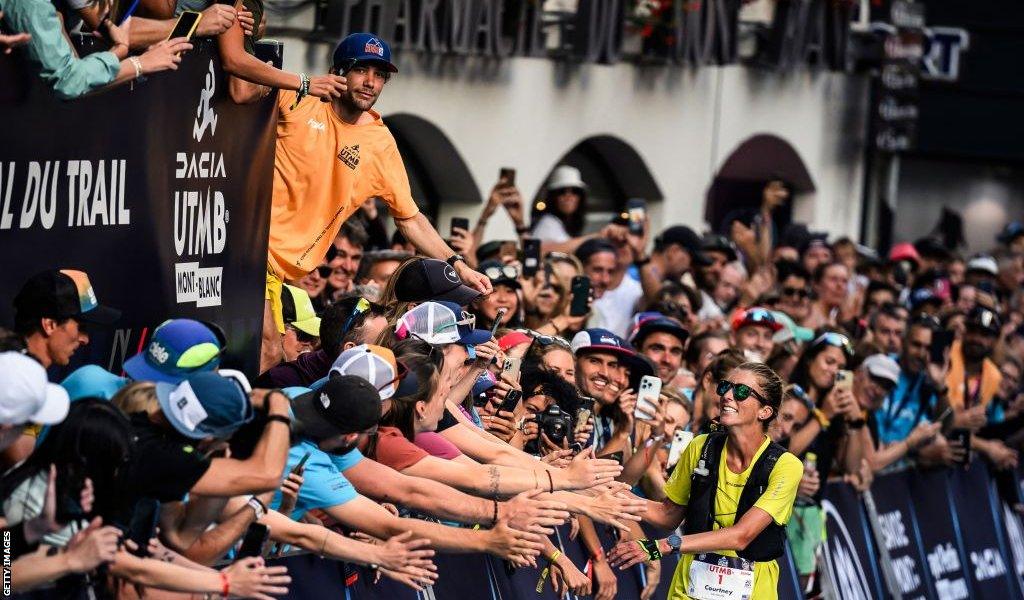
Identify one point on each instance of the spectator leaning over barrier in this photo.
(330, 158)
(52, 314)
(144, 32)
(70, 76)
(301, 325)
(26, 397)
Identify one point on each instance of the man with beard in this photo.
(662, 339)
(974, 380)
(330, 158)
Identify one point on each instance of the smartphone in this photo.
(941, 341)
(188, 20)
(582, 417)
(270, 51)
(128, 13)
(512, 366)
(255, 538)
(511, 401)
(143, 526)
(459, 223)
(508, 175)
(497, 320)
(531, 257)
(680, 441)
(962, 438)
(945, 415)
(844, 379)
(636, 209)
(580, 291)
(302, 463)
(647, 398)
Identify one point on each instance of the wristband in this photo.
(641, 262)
(551, 482)
(555, 556)
(650, 548)
(257, 506)
(523, 229)
(138, 67)
(303, 90)
(279, 419)
(225, 585)
(494, 519)
(856, 423)
(820, 417)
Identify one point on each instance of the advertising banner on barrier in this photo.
(899, 529)
(849, 550)
(944, 555)
(987, 562)
(159, 191)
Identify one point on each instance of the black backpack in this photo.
(700, 509)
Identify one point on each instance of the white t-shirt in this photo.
(709, 309)
(549, 228)
(614, 310)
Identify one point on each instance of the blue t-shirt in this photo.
(323, 484)
(902, 411)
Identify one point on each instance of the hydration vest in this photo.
(700, 510)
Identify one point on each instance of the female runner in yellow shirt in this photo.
(725, 557)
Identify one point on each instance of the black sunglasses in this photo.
(740, 391)
(798, 292)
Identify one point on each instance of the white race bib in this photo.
(717, 577)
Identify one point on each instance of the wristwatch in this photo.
(454, 259)
(674, 542)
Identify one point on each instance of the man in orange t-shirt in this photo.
(330, 158)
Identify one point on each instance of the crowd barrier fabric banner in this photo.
(901, 534)
(937, 525)
(849, 555)
(980, 529)
(160, 191)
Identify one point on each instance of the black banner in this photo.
(159, 191)
(938, 526)
(850, 558)
(980, 528)
(900, 532)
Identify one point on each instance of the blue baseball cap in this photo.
(205, 405)
(602, 340)
(178, 348)
(93, 381)
(363, 47)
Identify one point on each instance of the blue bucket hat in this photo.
(179, 348)
(363, 47)
(205, 405)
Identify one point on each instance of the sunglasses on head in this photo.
(546, 340)
(838, 340)
(795, 291)
(358, 311)
(740, 391)
(759, 315)
(798, 392)
(503, 272)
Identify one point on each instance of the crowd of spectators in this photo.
(420, 395)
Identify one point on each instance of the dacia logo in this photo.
(159, 353)
(325, 400)
(205, 116)
(374, 47)
(350, 156)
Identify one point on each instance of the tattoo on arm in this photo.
(495, 478)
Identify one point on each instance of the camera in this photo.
(554, 423)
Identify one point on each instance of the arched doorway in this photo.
(737, 185)
(613, 171)
(435, 168)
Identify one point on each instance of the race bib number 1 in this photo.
(717, 577)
